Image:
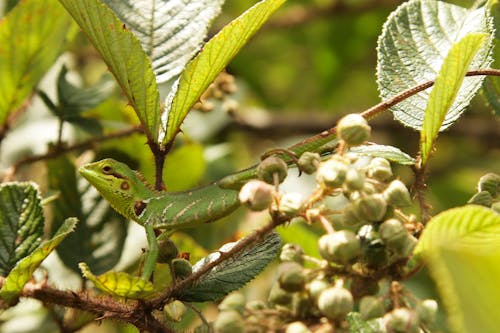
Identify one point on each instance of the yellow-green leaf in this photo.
(184, 167)
(24, 269)
(446, 88)
(32, 36)
(119, 283)
(124, 56)
(462, 248)
(212, 59)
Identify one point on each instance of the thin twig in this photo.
(62, 150)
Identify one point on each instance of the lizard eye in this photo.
(106, 169)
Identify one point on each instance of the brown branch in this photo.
(62, 149)
(133, 312)
(300, 14)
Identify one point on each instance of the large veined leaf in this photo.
(119, 283)
(100, 235)
(233, 273)
(25, 268)
(390, 153)
(170, 31)
(32, 36)
(211, 60)
(21, 223)
(462, 248)
(411, 50)
(124, 56)
(446, 87)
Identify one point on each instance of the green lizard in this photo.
(130, 196)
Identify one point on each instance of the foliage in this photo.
(350, 236)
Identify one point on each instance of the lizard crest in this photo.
(119, 185)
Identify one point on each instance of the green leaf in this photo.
(184, 167)
(74, 100)
(101, 233)
(119, 284)
(32, 36)
(212, 59)
(462, 248)
(21, 223)
(25, 268)
(124, 56)
(390, 153)
(446, 88)
(491, 86)
(411, 50)
(170, 31)
(357, 325)
(233, 273)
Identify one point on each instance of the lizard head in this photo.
(122, 187)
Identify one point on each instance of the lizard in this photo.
(132, 197)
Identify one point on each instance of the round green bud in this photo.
(257, 195)
(353, 129)
(317, 286)
(292, 252)
(290, 204)
(167, 250)
(335, 303)
(291, 276)
(182, 268)
(490, 182)
(229, 322)
(174, 311)
(269, 167)
(371, 207)
(350, 217)
(482, 198)
(297, 327)
(340, 247)
(371, 307)
(380, 169)
(354, 180)
(427, 311)
(234, 301)
(407, 247)
(331, 173)
(393, 233)
(401, 320)
(397, 194)
(309, 162)
(256, 305)
(278, 296)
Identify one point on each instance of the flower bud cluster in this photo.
(219, 90)
(488, 191)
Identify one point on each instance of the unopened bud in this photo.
(401, 320)
(335, 303)
(353, 129)
(290, 204)
(397, 195)
(234, 301)
(354, 179)
(331, 173)
(256, 195)
(278, 296)
(490, 182)
(427, 311)
(292, 252)
(175, 311)
(482, 198)
(229, 322)
(309, 162)
(291, 277)
(297, 327)
(182, 268)
(380, 169)
(371, 207)
(317, 286)
(167, 250)
(393, 233)
(271, 166)
(340, 247)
